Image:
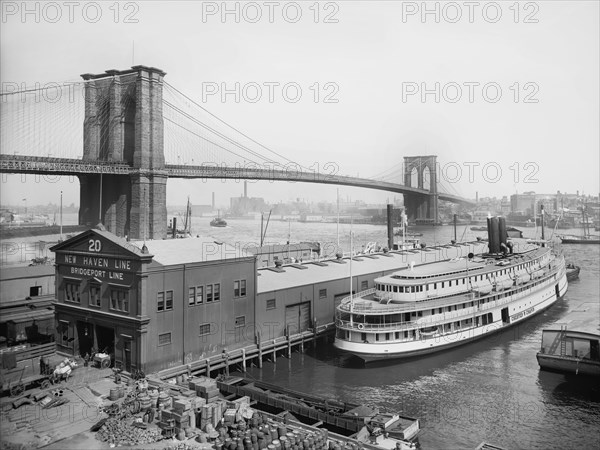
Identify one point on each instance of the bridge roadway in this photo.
(42, 165)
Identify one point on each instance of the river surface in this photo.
(491, 390)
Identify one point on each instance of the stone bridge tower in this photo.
(124, 124)
(423, 207)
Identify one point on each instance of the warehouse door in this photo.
(297, 318)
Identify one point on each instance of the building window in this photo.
(164, 300)
(119, 300)
(239, 288)
(35, 291)
(217, 292)
(94, 295)
(364, 285)
(192, 296)
(72, 292)
(160, 298)
(271, 304)
(322, 293)
(199, 294)
(209, 293)
(204, 329)
(240, 321)
(164, 339)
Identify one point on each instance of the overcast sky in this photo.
(510, 88)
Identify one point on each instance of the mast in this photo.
(351, 297)
(61, 222)
(542, 214)
(338, 219)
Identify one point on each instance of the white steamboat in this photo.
(435, 306)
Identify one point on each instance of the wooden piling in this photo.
(243, 360)
(260, 353)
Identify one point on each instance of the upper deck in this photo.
(440, 282)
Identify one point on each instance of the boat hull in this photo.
(580, 241)
(568, 364)
(521, 309)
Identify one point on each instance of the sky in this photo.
(506, 94)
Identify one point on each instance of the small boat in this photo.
(570, 351)
(572, 272)
(478, 228)
(218, 222)
(589, 239)
(407, 234)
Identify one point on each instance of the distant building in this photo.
(241, 206)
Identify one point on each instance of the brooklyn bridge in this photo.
(139, 131)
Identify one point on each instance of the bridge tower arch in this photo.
(421, 206)
(124, 123)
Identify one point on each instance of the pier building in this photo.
(155, 304)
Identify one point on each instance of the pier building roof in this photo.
(289, 276)
(189, 250)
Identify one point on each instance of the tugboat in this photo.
(572, 272)
(218, 221)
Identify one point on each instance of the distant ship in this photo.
(218, 222)
(585, 238)
(570, 351)
(435, 306)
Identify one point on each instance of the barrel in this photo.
(153, 394)
(281, 431)
(145, 401)
(113, 394)
(164, 400)
(181, 435)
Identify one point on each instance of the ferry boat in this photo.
(434, 306)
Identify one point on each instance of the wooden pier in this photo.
(253, 354)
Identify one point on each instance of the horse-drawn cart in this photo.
(14, 383)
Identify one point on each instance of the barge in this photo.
(364, 423)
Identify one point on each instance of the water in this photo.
(491, 390)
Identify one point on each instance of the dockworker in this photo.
(86, 360)
(150, 413)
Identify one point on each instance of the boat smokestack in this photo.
(174, 231)
(495, 236)
(502, 231)
(213, 201)
(390, 226)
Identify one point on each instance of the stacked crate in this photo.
(182, 413)
(205, 387)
